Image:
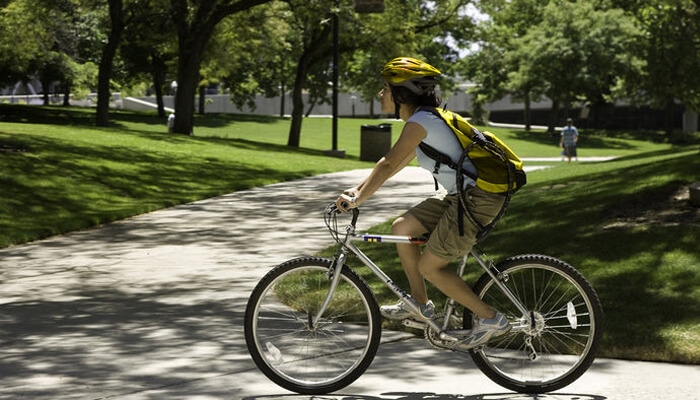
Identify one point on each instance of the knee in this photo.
(399, 226)
(407, 225)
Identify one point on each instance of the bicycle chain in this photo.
(432, 337)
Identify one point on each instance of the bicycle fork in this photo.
(334, 273)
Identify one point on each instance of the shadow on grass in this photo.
(51, 115)
(80, 116)
(85, 185)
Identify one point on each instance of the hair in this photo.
(403, 95)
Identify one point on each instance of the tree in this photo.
(73, 52)
(432, 31)
(312, 27)
(577, 52)
(491, 65)
(250, 54)
(50, 40)
(21, 38)
(672, 55)
(416, 27)
(149, 48)
(109, 51)
(195, 22)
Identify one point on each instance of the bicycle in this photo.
(312, 325)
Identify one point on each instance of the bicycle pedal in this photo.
(412, 323)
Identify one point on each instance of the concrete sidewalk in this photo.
(152, 308)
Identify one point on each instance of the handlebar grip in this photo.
(355, 214)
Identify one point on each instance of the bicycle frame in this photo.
(348, 245)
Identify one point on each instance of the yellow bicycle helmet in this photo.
(416, 75)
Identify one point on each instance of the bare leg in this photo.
(409, 254)
(433, 268)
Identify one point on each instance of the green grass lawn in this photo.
(625, 223)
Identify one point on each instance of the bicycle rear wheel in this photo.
(300, 357)
(553, 345)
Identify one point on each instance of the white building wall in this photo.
(460, 102)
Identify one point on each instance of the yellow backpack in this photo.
(495, 162)
(499, 169)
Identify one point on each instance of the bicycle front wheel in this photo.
(555, 343)
(298, 354)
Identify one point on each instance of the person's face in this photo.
(385, 99)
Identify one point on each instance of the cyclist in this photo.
(410, 84)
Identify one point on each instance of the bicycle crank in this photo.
(412, 323)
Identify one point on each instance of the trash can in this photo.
(375, 141)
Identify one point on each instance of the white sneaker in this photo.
(401, 310)
(484, 330)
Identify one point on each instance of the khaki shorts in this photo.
(438, 215)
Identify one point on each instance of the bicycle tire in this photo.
(304, 359)
(564, 327)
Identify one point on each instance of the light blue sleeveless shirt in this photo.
(441, 138)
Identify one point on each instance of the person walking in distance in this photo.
(569, 139)
(409, 88)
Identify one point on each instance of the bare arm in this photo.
(394, 161)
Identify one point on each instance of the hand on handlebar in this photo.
(346, 202)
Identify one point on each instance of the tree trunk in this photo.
(668, 119)
(283, 88)
(297, 105)
(311, 107)
(527, 113)
(553, 117)
(116, 17)
(313, 51)
(202, 99)
(66, 93)
(159, 101)
(45, 91)
(158, 74)
(187, 79)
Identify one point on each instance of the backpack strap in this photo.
(441, 158)
(437, 156)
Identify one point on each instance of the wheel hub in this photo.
(535, 324)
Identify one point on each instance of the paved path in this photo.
(152, 308)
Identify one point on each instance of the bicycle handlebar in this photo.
(333, 209)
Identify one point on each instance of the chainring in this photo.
(433, 337)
